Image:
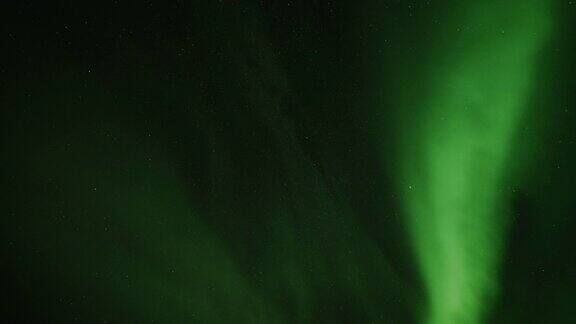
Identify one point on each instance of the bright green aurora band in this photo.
(454, 160)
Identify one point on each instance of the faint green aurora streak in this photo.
(455, 151)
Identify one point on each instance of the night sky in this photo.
(274, 161)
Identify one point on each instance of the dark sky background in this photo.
(229, 162)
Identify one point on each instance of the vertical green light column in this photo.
(456, 139)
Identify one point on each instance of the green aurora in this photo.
(455, 162)
(285, 162)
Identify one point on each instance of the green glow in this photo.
(455, 154)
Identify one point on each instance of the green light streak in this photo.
(457, 148)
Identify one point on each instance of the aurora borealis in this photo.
(456, 161)
(289, 162)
